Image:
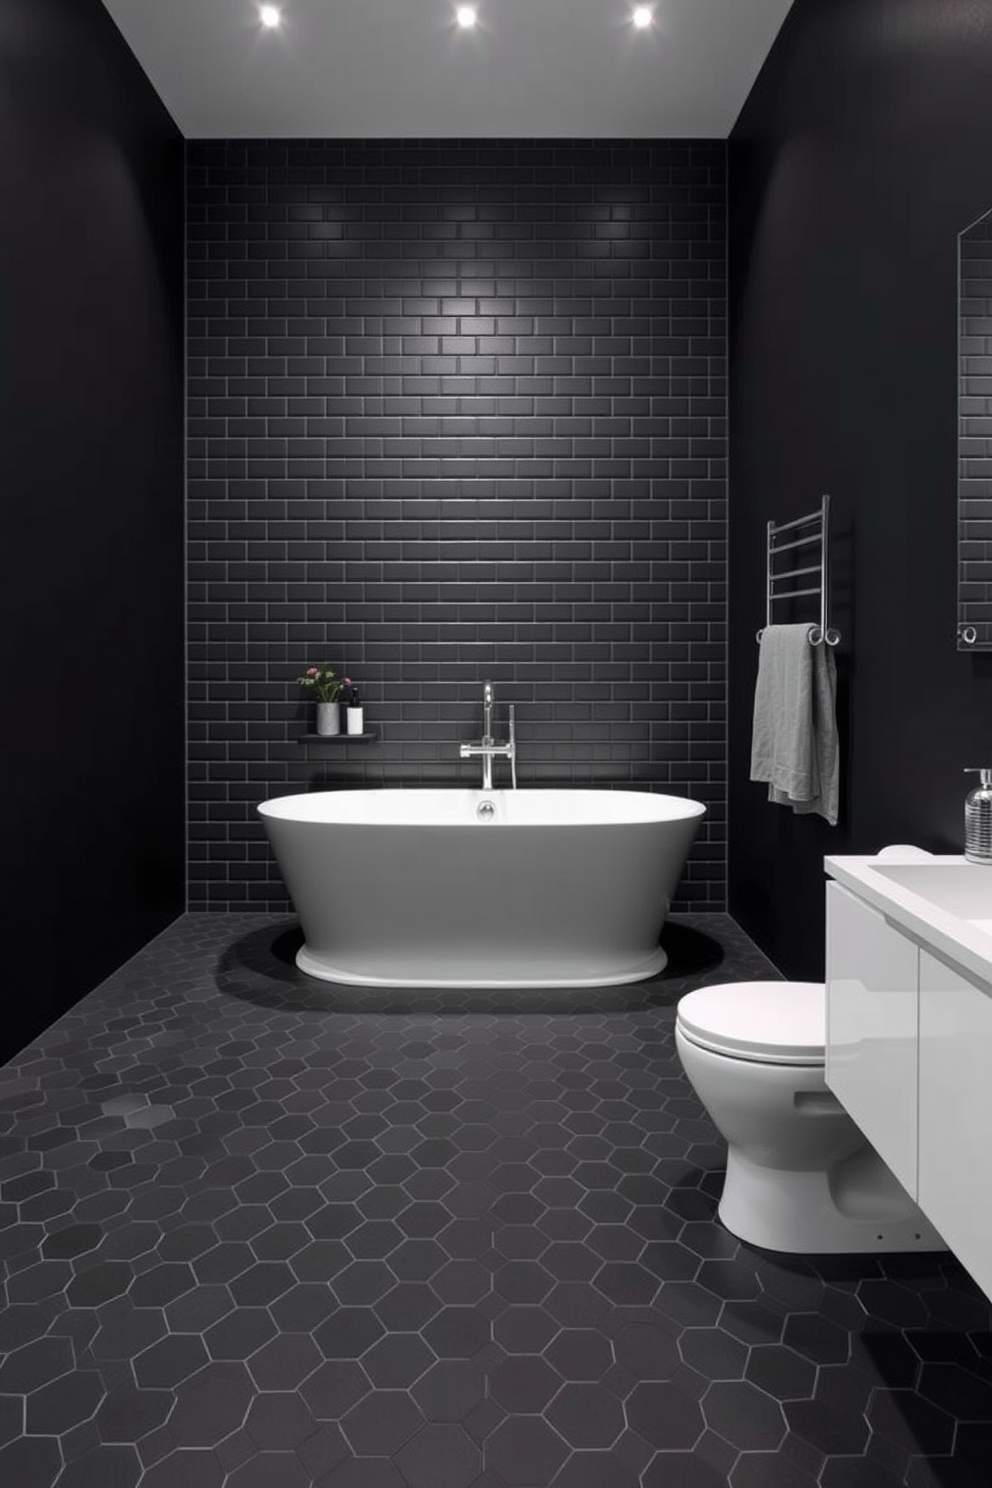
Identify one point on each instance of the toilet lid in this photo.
(769, 1022)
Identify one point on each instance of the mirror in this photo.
(974, 629)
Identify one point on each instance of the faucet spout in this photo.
(488, 699)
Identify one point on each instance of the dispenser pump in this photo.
(978, 818)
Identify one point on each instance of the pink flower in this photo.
(347, 681)
(311, 671)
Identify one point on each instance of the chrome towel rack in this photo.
(809, 538)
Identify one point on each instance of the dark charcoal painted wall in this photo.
(456, 411)
(864, 148)
(91, 599)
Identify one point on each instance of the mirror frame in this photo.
(974, 438)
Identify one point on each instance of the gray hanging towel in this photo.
(794, 745)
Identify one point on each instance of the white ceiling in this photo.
(402, 68)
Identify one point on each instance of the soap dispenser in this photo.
(978, 819)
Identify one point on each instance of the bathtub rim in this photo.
(281, 808)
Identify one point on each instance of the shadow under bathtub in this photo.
(260, 968)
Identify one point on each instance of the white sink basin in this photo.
(944, 902)
(961, 889)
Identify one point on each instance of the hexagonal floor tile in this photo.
(744, 1416)
(587, 1416)
(665, 1416)
(525, 1452)
(440, 1456)
(211, 1405)
(580, 1354)
(379, 1425)
(450, 1390)
(523, 1384)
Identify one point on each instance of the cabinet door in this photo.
(956, 1113)
(872, 1028)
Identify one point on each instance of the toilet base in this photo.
(857, 1207)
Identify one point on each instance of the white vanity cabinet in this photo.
(955, 1118)
(909, 1032)
(872, 1028)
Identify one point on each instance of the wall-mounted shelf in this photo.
(338, 738)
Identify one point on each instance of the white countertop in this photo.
(944, 903)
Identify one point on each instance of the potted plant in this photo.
(323, 682)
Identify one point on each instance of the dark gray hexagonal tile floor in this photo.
(259, 1230)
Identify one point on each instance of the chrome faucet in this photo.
(487, 747)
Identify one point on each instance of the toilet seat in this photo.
(764, 1022)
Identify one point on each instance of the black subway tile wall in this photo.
(456, 410)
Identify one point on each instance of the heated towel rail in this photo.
(808, 538)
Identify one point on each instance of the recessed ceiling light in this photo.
(466, 16)
(269, 15)
(642, 17)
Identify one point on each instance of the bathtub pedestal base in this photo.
(476, 971)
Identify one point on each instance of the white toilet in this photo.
(801, 1177)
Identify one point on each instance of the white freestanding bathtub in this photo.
(442, 888)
